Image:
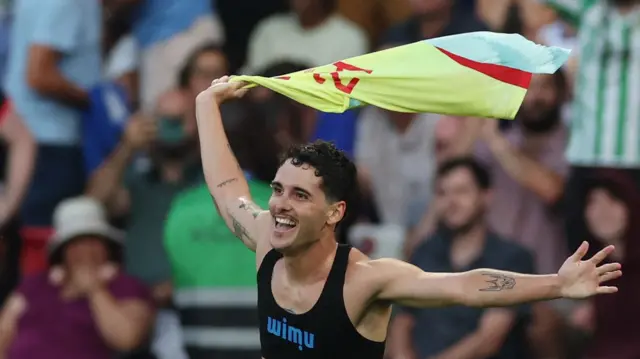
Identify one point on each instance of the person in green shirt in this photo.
(213, 273)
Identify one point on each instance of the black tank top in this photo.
(324, 332)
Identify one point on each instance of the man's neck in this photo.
(311, 263)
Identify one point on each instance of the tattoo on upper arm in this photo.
(251, 207)
(239, 230)
(226, 182)
(498, 282)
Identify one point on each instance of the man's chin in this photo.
(283, 240)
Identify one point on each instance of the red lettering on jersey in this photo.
(318, 79)
(337, 82)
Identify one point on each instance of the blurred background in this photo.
(100, 167)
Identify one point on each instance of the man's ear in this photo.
(336, 212)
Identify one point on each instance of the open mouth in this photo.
(284, 223)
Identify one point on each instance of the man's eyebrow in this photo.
(295, 188)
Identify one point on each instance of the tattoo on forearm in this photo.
(251, 207)
(226, 182)
(498, 282)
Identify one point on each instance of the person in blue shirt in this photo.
(103, 124)
(55, 58)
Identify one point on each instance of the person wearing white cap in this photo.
(83, 306)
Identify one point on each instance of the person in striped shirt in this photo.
(605, 123)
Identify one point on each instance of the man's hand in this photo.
(582, 279)
(140, 132)
(221, 90)
(88, 279)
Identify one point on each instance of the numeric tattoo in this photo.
(498, 282)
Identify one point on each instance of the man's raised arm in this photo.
(223, 174)
(408, 285)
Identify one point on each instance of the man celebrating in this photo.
(318, 299)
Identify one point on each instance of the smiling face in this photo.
(302, 213)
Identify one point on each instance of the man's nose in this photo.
(282, 204)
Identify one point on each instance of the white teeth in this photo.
(285, 221)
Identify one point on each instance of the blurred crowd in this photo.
(111, 247)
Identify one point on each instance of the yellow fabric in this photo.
(412, 78)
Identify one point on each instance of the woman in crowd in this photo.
(611, 213)
(83, 306)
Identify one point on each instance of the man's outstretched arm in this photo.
(225, 179)
(408, 285)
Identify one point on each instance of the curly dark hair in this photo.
(339, 174)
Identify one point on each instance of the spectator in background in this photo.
(17, 156)
(112, 105)
(611, 213)
(312, 33)
(54, 60)
(447, 144)
(167, 31)
(395, 153)
(465, 243)
(143, 191)
(605, 125)
(204, 65)
(432, 18)
(529, 168)
(213, 273)
(83, 306)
